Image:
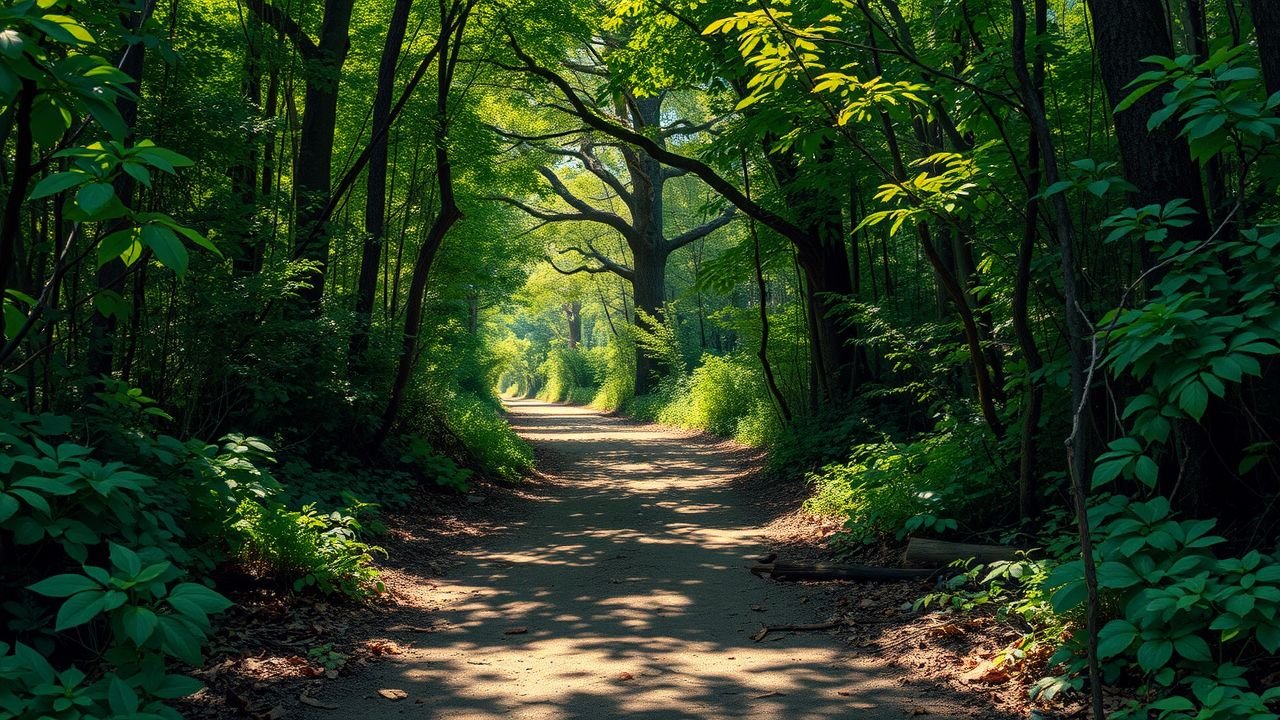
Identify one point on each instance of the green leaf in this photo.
(95, 197)
(122, 245)
(79, 609)
(122, 698)
(168, 248)
(1154, 654)
(180, 640)
(199, 596)
(1194, 400)
(1115, 637)
(1116, 575)
(8, 506)
(1269, 636)
(1193, 647)
(63, 585)
(126, 560)
(139, 623)
(56, 183)
(1147, 470)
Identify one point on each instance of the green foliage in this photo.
(717, 396)
(893, 488)
(567, 374)
(308, 548)
(1182, 615)
(441, 470)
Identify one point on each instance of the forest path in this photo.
(628, 574)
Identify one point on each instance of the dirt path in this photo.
(628, 579)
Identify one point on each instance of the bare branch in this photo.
(703, 230)
(585, 210)
(278, 19)
(708, 175)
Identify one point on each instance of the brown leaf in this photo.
(410, 629)
(393, 693)
(760, 634)
(987, 672)
(306, 699)
(625, 676)
(518, 630)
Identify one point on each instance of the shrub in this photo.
(719, 393)
(1182, 615)
(308, 548)
(891, 488)
(567, 373)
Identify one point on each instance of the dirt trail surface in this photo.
(621, 592)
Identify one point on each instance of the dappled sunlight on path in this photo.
(621, 593)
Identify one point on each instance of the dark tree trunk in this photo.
(313, 169)
(110, 277)
(448, 46)
(1157, 162)
(375, 211)
(648, 289)
(573, 318)
(1266, 25)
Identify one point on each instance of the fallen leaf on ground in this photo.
(410, 628)
(306, 699)
(757, 608)
(760, 634)
(515, 630)
(625, 676)
(393, 693)
(987, 672)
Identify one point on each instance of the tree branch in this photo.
(585, 210)
(703, 230)
(772, 220)
(278, 19)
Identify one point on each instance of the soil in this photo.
(613, 584)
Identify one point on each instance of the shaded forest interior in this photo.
(997, 271)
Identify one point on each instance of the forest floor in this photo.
(612, 585)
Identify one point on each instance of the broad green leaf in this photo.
(79, 609)
(168, 248)
(56, 183)
(95, 197)
(63, 585)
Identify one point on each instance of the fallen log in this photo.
(926, 553)
(836, 571)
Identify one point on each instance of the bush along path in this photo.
(621, 591)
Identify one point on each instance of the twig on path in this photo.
(766, 629)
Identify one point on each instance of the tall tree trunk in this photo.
(110, 276)
(313, 170)
(1157, 162)
(375, 211)
(648, 289)
(448, 46)
(1266, 26)
(573, 318)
